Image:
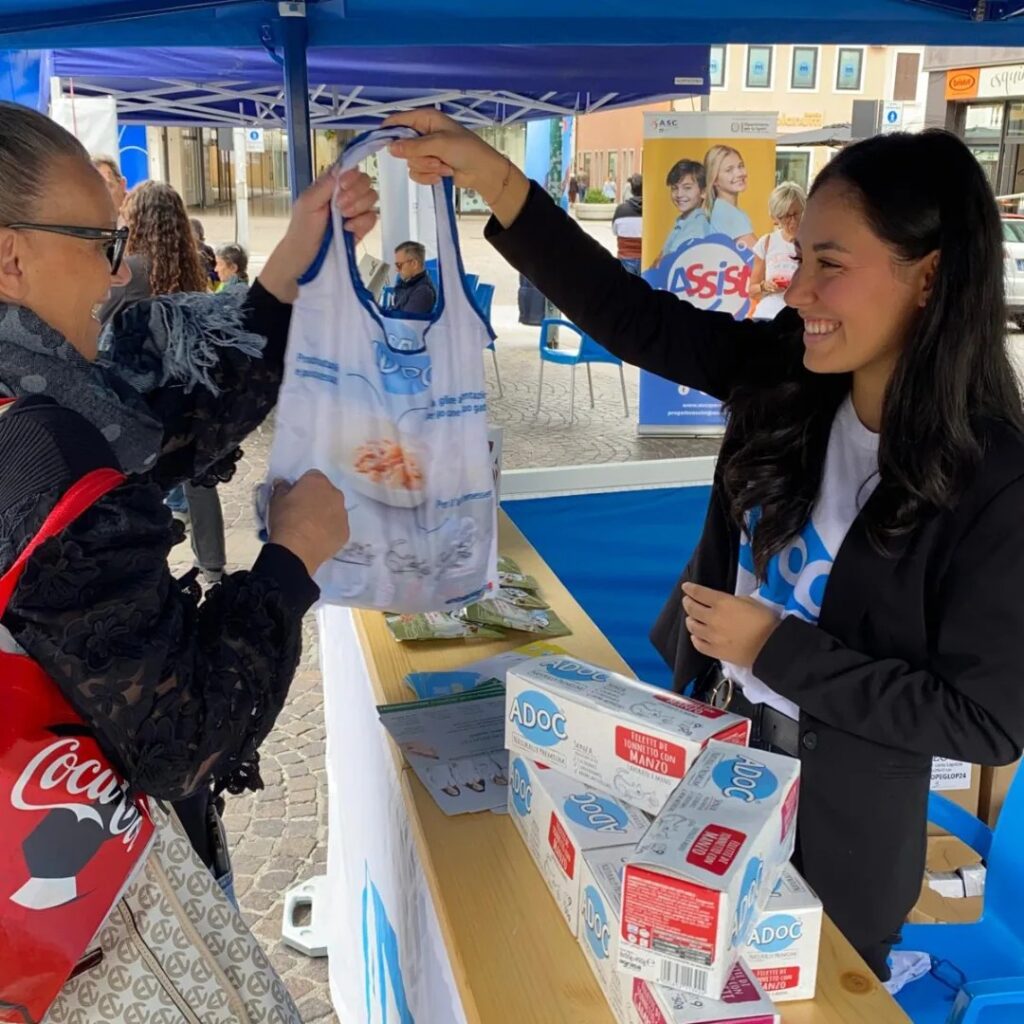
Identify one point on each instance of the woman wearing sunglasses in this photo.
(178, 693)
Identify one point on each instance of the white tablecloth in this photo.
(388, 963)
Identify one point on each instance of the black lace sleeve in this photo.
(178, 692)
(203, 425)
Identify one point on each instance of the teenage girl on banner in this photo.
(858, 578)
(726, 175)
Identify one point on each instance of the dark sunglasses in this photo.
(116, 238)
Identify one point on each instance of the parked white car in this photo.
(1013, 264)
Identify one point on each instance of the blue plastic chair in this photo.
(984, 958)
(483, 296)
(431, 268)
(589, 352)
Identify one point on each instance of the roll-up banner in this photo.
(707, 179)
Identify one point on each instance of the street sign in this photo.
(254, 140)
(892, 117)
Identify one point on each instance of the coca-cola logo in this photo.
(63, 777)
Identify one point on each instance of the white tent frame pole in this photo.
(241, 155)
(327, 107)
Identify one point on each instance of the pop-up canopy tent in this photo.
(50, 23)
(358, 86)
(292, 27)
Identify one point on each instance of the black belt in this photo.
(770, 729)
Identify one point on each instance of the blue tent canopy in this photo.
(356, 87)
(44, 24)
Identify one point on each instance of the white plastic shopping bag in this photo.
(392, 408)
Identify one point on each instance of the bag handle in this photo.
(369, 142)
(81, 495)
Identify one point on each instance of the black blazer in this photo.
(915, 655)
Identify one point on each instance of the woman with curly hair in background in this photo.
(162, 252)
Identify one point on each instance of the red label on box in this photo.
(778, 979)
(645, 1004)
(669, 911)
(715, 848)
(739, 988)
(562, 847)
(650, 752)
(695, 707)
(738, 734)
(789, 807)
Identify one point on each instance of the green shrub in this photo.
(595, 195)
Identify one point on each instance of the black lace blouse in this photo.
(179, 691)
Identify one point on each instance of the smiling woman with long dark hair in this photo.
(856, 589)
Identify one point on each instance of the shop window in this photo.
(983, 120)
(908, 67)
(988, 157)
(1015, 119)
(759, 67)
(849, 69)
(716, 67)
(804, 73)
(791, 165)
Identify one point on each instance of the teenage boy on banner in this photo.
(710, 178)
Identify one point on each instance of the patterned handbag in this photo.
(174, 950)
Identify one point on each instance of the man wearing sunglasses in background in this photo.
(414, 292)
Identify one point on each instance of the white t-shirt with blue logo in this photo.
(796, 578)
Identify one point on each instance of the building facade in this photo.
(810, 87)
(978, 93)
(814, 87)
(611, 142)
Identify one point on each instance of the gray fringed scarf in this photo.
(170, 340)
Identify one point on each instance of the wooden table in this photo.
(513, 959)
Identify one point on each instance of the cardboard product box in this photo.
(702, 874)
(783, 947)
(628, 738)
(560, 821)
(946, 854)
(742, 1002)
(959, 782)
(995, 784)
(600, 902)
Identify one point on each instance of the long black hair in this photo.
(920, 194)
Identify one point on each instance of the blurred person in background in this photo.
(775, 256)
(110, 172)
(161, 239)
(207, 257)
(232, 267)
(628, 224)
